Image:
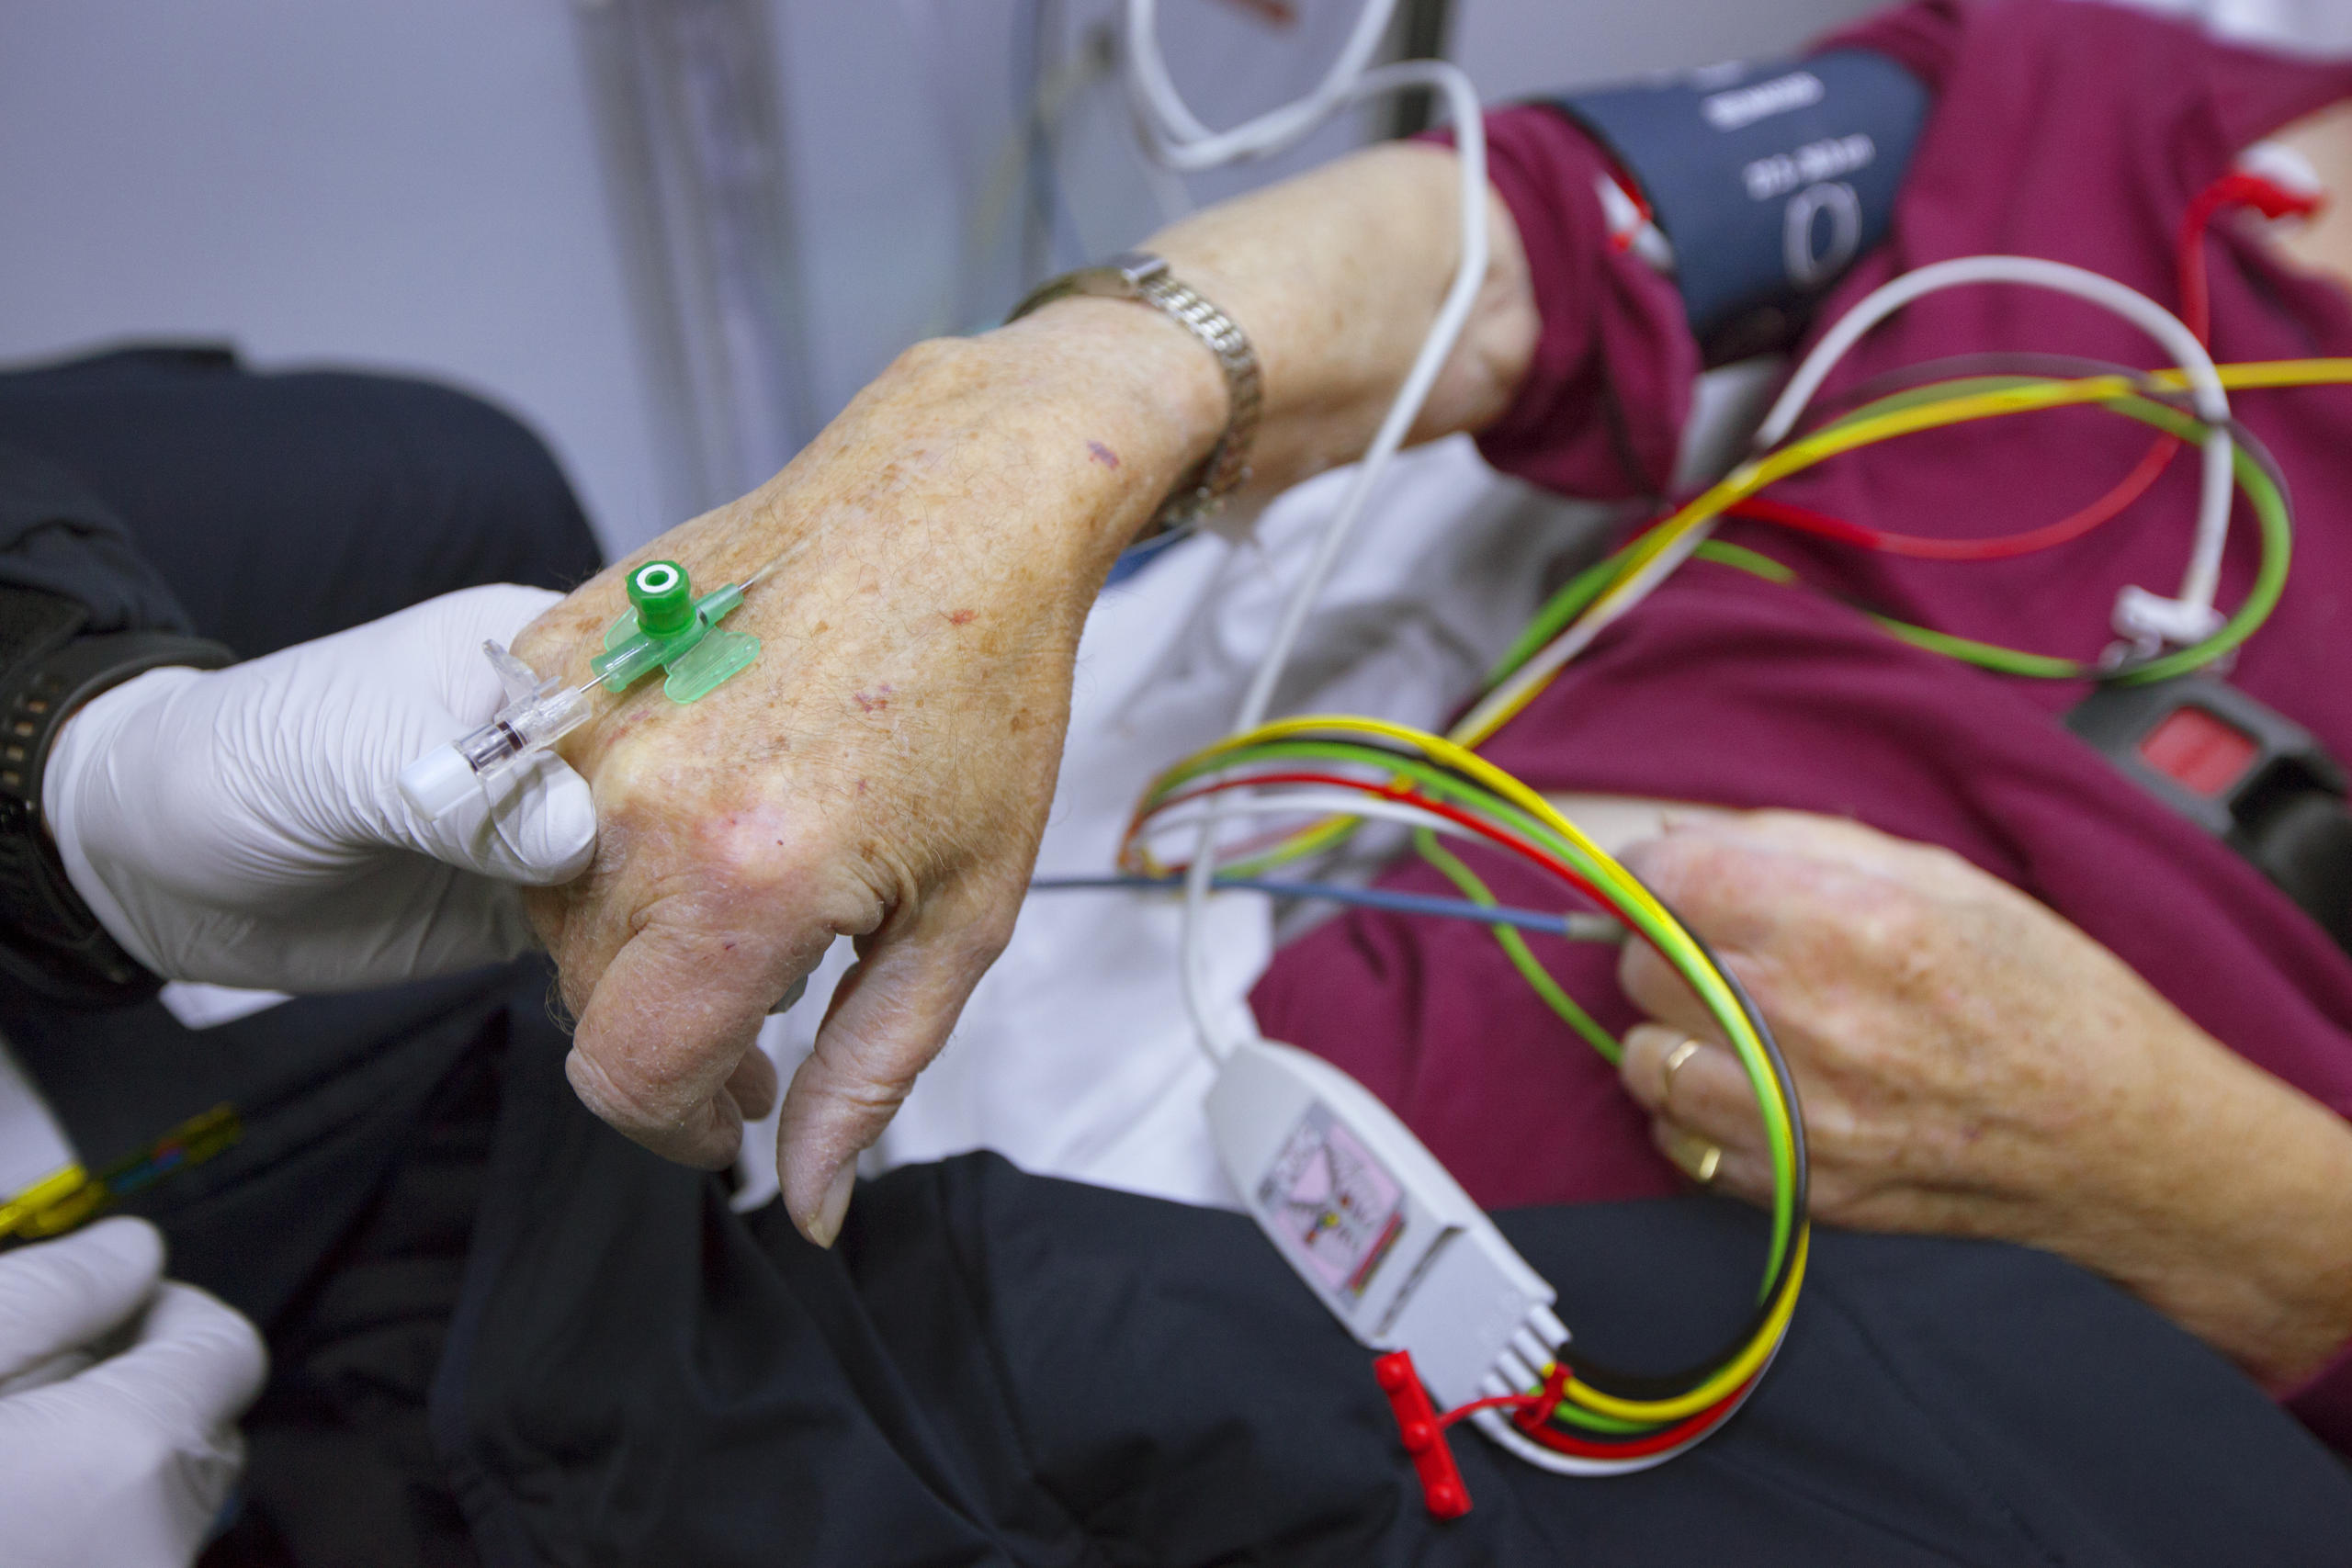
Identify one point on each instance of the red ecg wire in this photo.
(1681, 1432)
(1550, 1436)
(1560, 1441)
(1541, 857)
(1495, 1401)
(2233, 189)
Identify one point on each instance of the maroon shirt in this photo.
(2064, 128)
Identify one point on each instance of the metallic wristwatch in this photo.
(1139, 275)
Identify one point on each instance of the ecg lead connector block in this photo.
(1370, 1219)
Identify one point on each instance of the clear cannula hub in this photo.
(536, 715)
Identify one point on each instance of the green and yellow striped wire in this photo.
(1405, 763)
(1598, 1406)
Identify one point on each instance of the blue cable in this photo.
(1135, 557)
(1338, 893)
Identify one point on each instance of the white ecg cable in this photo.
(1498, 1426)
(1175, 136)
(1312, 804)
(2193, 606)
(2203, 579)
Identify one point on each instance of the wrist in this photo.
(1120, 385)
(55, 941)
(2286, 1234)
(2248, 1245)
(1337, 276)
(88, 750)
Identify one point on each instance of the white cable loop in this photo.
(1314, 803)
(1175, 136)
(2211, 401)
(2192, 610)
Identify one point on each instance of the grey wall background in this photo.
(411, 185)
(419, 185)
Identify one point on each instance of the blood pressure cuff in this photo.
(1767, 180)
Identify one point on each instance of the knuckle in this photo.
(870, 1065)
(622, 1094)
(1670, 866)
(1832, 1192)
(875, 1068)
(989, 932)
(1886, 927)
(1832, 1132)
(1645, 1045)
(1944, 863)
(877, 1097)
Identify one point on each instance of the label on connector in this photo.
(1338, 1206)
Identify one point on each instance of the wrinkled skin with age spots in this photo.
(1971, 1064)
(883, 770)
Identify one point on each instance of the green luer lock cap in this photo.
(665, 600)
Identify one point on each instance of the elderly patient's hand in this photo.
(1970, 1064)
(884, 769)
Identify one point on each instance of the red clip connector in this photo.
(1537, 1411)
(1441, 1486)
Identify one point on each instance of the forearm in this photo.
(1337, 276)
(1075, 423)
(2243, 1188)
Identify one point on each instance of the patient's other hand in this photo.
(884, 769)
(1971, 1064)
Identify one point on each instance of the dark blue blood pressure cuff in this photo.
(1767, 180)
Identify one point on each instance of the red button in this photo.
(2198, 752)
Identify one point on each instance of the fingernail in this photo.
(1696, 1157)
(826, 1222)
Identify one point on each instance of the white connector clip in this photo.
(2151, 620)
(1371, 1222)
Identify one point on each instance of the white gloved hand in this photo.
(244, 826)
(120, 1394)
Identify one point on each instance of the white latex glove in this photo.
(244, 826)
(120, 1394)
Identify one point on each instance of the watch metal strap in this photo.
(1140, 276)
